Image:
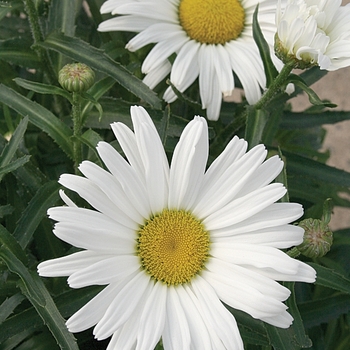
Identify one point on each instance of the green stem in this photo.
(77, 128)
(276, 85)
(38, 37)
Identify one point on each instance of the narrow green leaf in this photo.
(313, 98)
(33, 288)
(40, 117)
(92, 100)
(281, 339)
(303, 166)
(62, 16)
(300, 336)
(293, 120)
(331, 279)
(6, 210)
(96, 91)
(36, 210)
(319, 311)
(8, 242)
(13, 165)
(264, 50)
(10, 149)
(9, 305)
(256, 121)
(81, 51)
(17, 51)
(43, 88)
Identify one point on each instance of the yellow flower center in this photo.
(173, 246)
(212, 21)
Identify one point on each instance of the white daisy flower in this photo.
(314, 32)
(211, 39)
(171, 242)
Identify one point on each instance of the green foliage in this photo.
(38, 144)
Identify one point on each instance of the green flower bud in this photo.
(76, 77)
(318, 238)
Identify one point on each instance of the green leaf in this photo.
(36, 210)
(13, 165)
(264, 50)
(96, 91)
(17, 51)
(256, 121)
(319, 311)
(300, 337)
(8, 306)
(293, 120)
(62, 16)
(40, 117)
(8, 242)
(43, 88)
(331, 279)
(313, 98)
(33, 288)
(81, 51)
(281, 339)
(10, 149)
(310, 168)
(92, 100)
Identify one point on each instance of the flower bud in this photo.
(318, 238)
(76, 77)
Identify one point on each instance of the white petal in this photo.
(152, 320)
(156, 75)
(93, 311)
(188, 164)
(217, 317)
(127, 177)
(110, 270)
(242, 208)
(96, 198)
(176, 331)
(123, 306)
(275, 215)
(69, 264)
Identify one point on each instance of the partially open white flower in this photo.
(211, 40)
(171, 242)
(314, 32)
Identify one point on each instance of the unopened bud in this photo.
(76, 77)
(318, 238)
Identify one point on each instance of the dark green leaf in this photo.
(256, 121)
(292, 120)
(13, 165)
(43, 88)
(82, 52)
(33, 288)
(8, 306)
(307, 167)
(264, 50)
(319, 311)
(10, 149)
(331, 279)
(300, 337)
(281, 339)
(36, 210)
(40, 117)
(8, 242)
(17, 51)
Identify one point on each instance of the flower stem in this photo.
(276, 85)
(38, 37)
(77, 128)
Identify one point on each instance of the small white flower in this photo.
(314, 32)
(171, 242)
(211, 40)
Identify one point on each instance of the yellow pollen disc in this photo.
(173, 246)
(212, 21)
